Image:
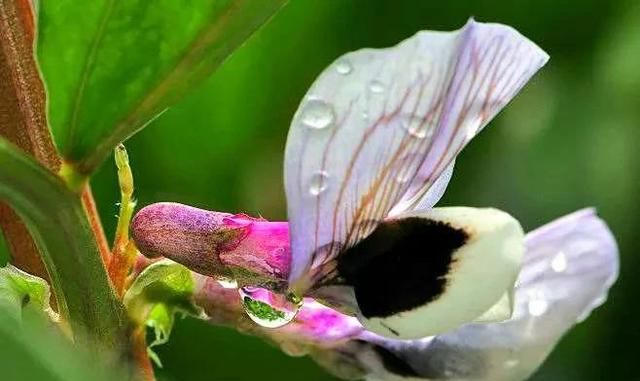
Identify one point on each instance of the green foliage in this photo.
(20, 290)
(57, 222)
(112, 66)
(32, 350)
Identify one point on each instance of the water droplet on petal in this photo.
(268, 309)
(404, 174)
(559, 262)
(319, 183)
(583, 316)
(538, 304)
(377, 87)
(474, 127)
(344, 67)
(418, 127)
(317, 114)
(511, 363)
(225, 282)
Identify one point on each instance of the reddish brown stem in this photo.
(139, 342)
(22, 119)
(122, 261)
(96, 225)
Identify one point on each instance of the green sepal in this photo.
(157, 294)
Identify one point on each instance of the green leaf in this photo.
(32, 350)
(57, 223)
(112, 66)
(22, 291)
(158, 293)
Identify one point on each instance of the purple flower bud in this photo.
(250, 250)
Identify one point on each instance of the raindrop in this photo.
(225, 282)
(418, 127)
(583, 316)
(376, 87)
(511, 363)
(559, 262)
(317, 114)
(474, 127)
(538, 305)
(344, 67)
(405, 173)
(319, 183)
(268, 309)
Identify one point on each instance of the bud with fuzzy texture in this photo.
(250, 250)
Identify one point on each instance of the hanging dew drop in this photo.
(317, 114)
(344, 67)
(269, 309)
(318, 183)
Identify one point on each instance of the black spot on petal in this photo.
(401, 265)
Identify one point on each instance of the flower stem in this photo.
(139, 342)
(22, 120)
(96, 226)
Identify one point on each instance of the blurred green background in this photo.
(571, 139)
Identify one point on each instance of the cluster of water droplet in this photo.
(538, 303)
(269, 309)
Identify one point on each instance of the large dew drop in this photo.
(268, 309)
(317, 114)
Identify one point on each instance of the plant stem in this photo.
(140, 355)
(58, 223)
(96, 226)
(22, 120)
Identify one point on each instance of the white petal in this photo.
(552, 295)
(379, 127)
(500, 311)
(433, 195)
(476, 277)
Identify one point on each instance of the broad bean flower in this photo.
(367, 276)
